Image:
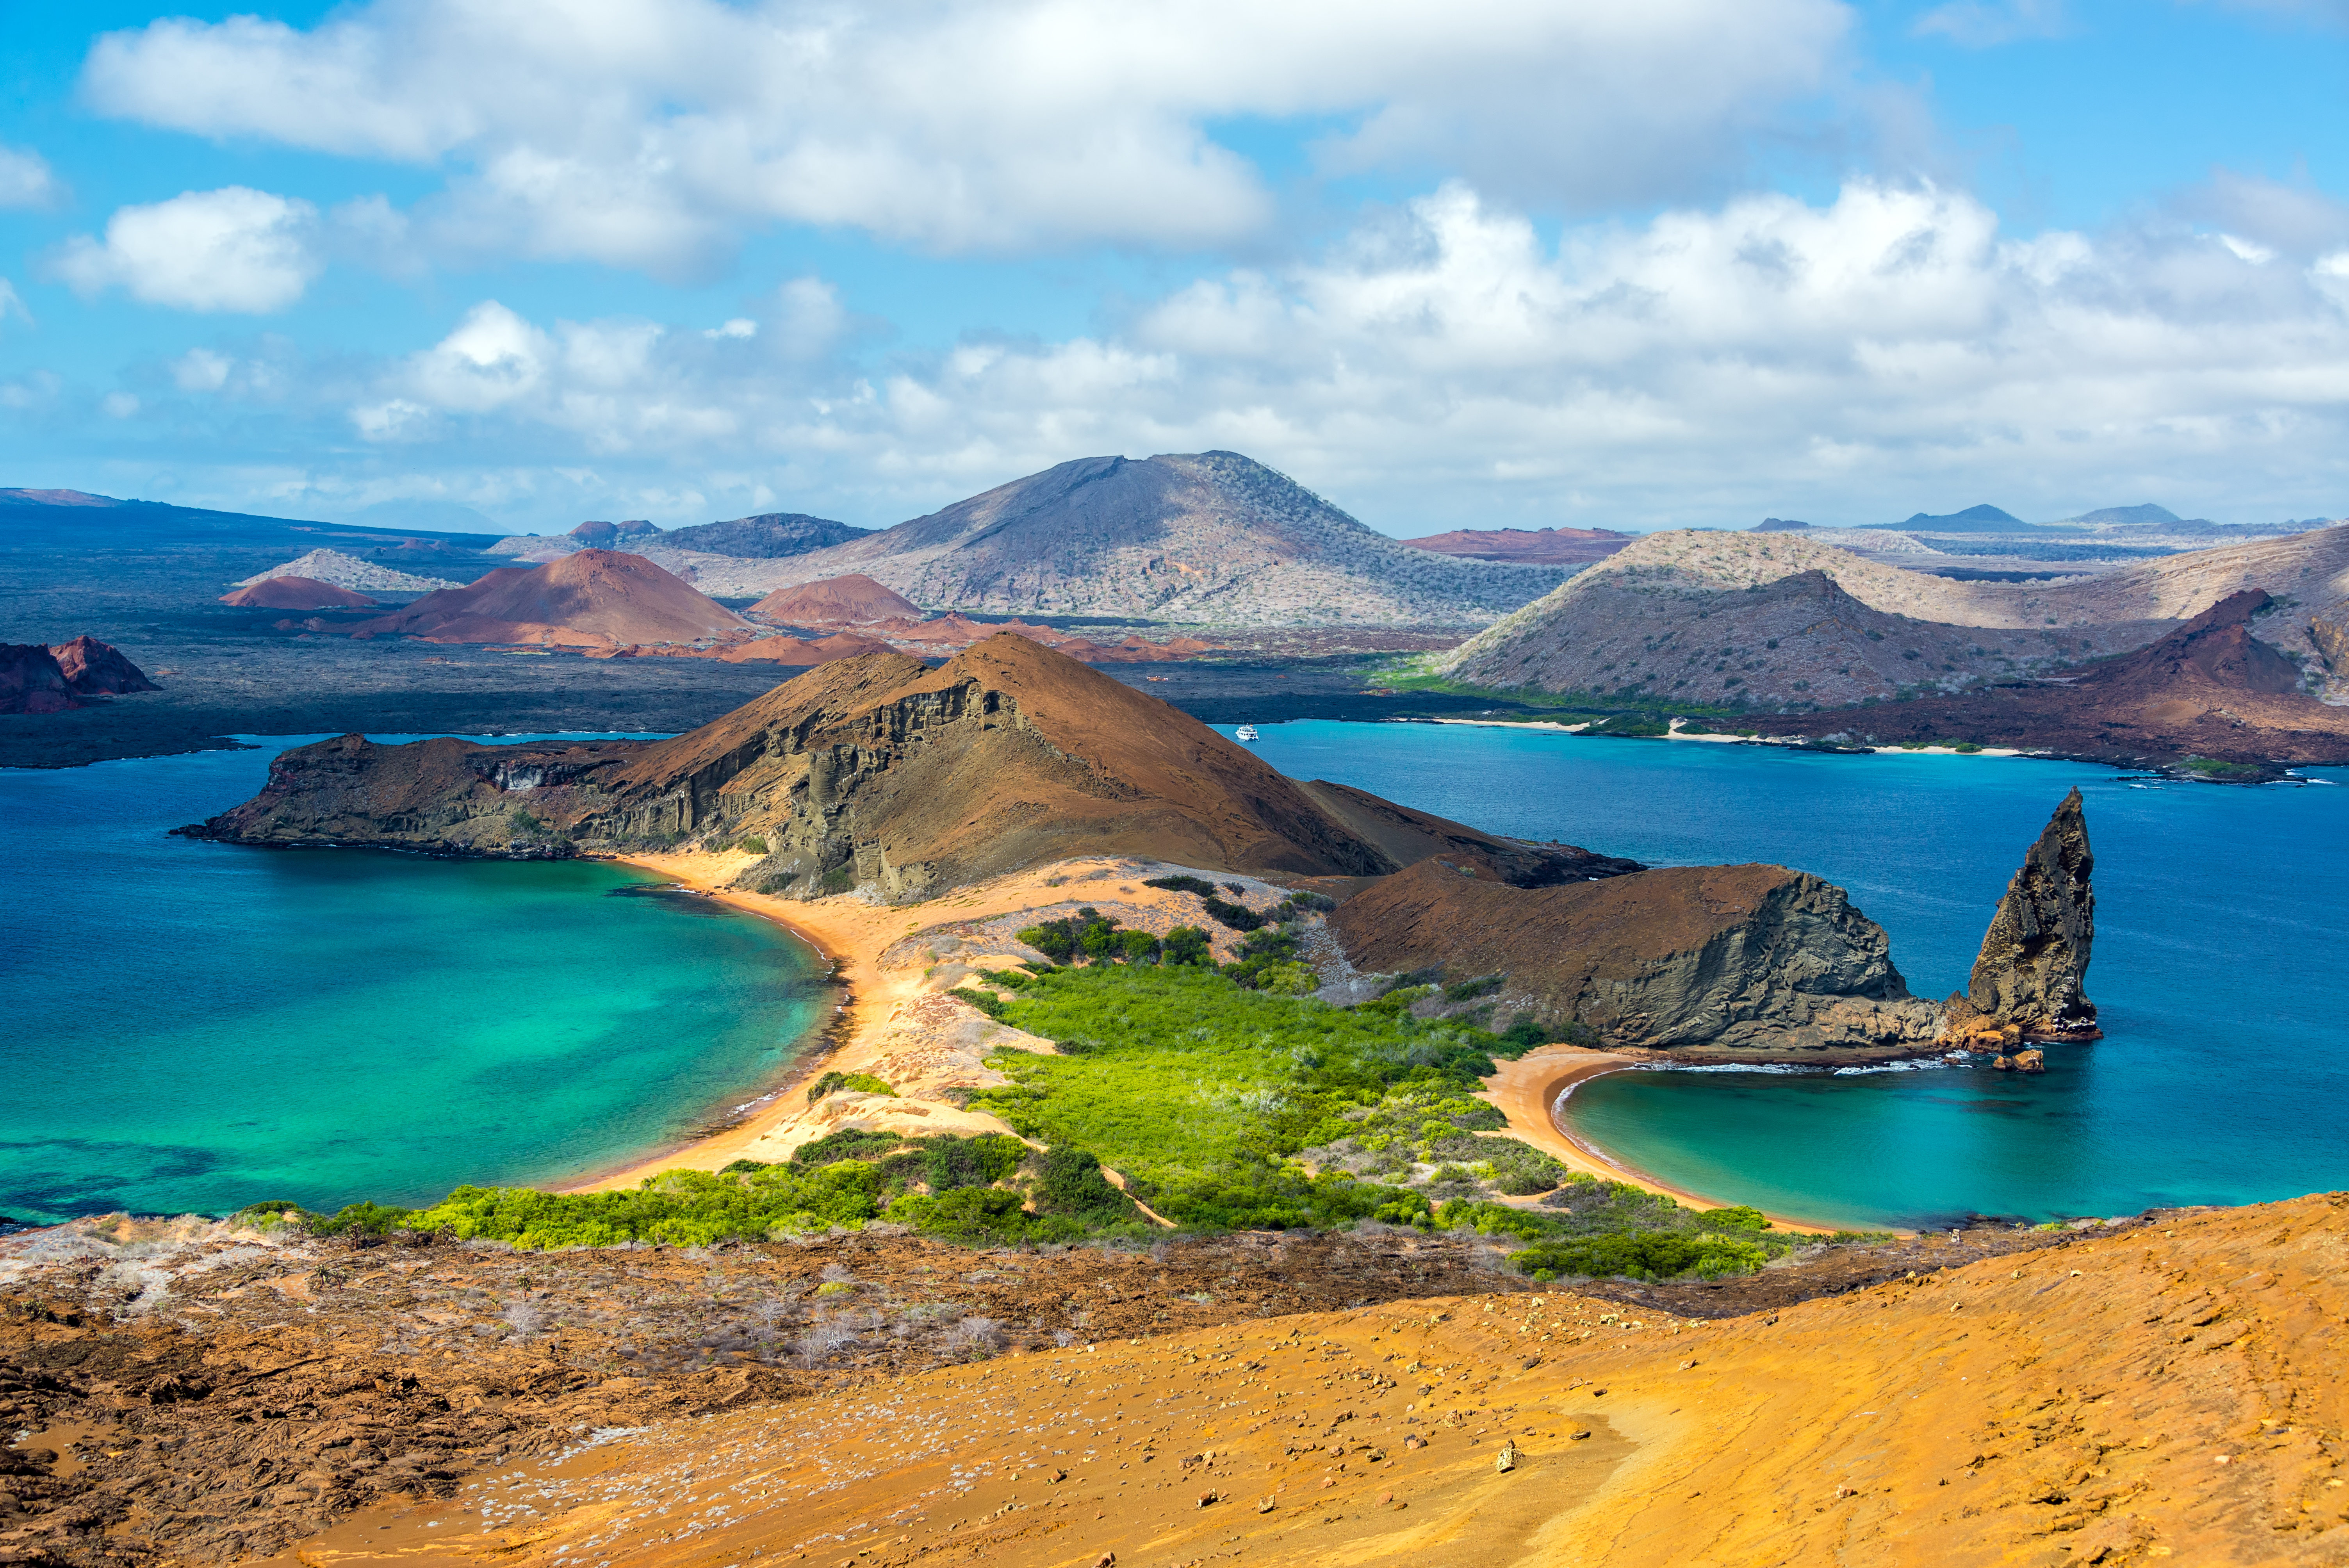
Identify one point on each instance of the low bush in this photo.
(752, 846)
(1238, 917)
(863, 1083)
(1182, 884)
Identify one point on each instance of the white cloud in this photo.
(233, 249)
(119, 405)
(652, 133)
(202, 370)
(11, 302)
(26, 181)
(1983, 23)
(1852, 361)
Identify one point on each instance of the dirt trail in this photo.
(2163, 1393)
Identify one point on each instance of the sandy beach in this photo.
(1526, 1089)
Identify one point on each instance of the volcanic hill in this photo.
(1774, 619)
(880, 772)
(2211, 689)
(590, 598)
(1210, 538)
(296, 593)
(835, 602)
(769, 536)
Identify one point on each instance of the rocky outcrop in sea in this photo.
(2027, 980)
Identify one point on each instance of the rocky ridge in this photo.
(1750, 961)
(36, 678)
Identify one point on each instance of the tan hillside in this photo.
(874, 772)
(590, 598)
(2163, 1393)
(1690, 616)
(1210, 538)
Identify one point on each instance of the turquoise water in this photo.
(197, 1027)
(2222, 947)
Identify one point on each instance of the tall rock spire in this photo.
(2034, 957)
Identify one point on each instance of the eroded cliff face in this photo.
(1753, 962)
(875, 773)
(2034, 958)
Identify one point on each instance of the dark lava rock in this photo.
(2034, 957)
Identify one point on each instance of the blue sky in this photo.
(1686, 264)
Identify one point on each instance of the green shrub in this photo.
(1186, 945)
(862, 1083)
(1469, 990)
(1238, 917)
(753, 846)
(986, 1002)
(1183, 884)
(848, 1144)
(949, 1162)
(840, 878)
(365, 1219)
(524, 822)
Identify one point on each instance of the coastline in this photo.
(883, 1001)
(1525, 1090)
(895, 1010)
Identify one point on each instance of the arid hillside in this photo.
(877, 773)
(2163, 1392)
(1781, 619)
(1210, 538)
(2212, 689)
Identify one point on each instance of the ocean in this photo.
(2222, 922)
(195, 1026)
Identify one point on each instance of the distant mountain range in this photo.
(1781, 621)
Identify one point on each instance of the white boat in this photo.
(1245, 732)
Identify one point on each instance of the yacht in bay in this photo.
(1245, 732)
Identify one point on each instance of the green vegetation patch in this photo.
(1224, 1102)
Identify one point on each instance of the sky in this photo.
(516, 264)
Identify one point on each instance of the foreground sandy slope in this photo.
(2159, 1393)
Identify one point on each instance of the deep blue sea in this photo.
(197, 1027)
(2220, 967)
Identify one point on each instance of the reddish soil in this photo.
(1551, 546)
(297, 593)
(589, 599)
(835, 602)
